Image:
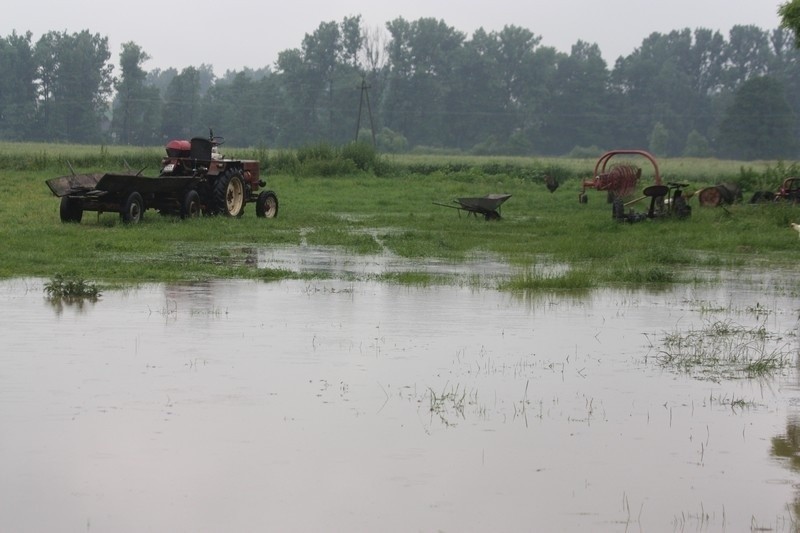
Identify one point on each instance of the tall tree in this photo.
(576, 115)
(75, 83)
(241, 109)
(759, 124)
(137, 104)
(17, 86)
(321, 79)
(668, 80)
(790, 18)
(476, 103)
(748, 56)
(181, 111)
(421, 54)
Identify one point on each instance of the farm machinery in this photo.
(488, 206)
(194, 179)
(620, 180)
(789, 191)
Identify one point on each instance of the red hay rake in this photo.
(618, 180)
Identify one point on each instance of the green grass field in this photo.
(360, 213)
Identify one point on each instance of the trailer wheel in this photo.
(191, 205)
(267, 205)
(71, 210)
(132, 209)
(229, 194)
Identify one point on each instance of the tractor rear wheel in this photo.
(267, 205)
(191, 205)
(228, 194)
(132, 209)
(71, 210)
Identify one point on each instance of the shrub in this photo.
(770, 179)
(361, 154)
(391, 141)
(60, 287)
(283, 161)
(315, 152)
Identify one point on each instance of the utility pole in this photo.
(365, 96)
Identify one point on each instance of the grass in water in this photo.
(724, 350)
(393, 213)
(61, 287)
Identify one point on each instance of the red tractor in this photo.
(225, 185)
(195, 178)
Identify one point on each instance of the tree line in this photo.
(423, 85)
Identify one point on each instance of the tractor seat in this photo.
(655, 192)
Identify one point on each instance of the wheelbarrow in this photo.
(488, 206)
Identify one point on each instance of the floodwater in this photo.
(360, 406)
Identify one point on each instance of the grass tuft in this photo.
(724, 350)
(60, 287)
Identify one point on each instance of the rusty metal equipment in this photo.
(789, 191)
(719, 194)
(665, 200)
(618, 180)
(488, 206)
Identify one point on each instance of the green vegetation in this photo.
(433, 88)
(62, 288)
(551, 241)
(723, 350)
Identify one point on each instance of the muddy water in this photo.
(358, 406)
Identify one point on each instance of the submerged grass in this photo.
(724, 350)
(395, 213)
(570, 280)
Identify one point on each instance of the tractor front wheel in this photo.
(229, 194)
(267, 205)
(132, 209)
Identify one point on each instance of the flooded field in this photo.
(359, 406)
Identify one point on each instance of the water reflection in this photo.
(336, 262)
(319, 405)
(79, 304)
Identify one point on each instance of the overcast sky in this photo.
(233, 34)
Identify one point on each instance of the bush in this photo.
(328, 167)
(283, 161)
(361, 154)
(315, 152)
(696, 145)
(391, 141)
(70, 288)
(769, 180)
